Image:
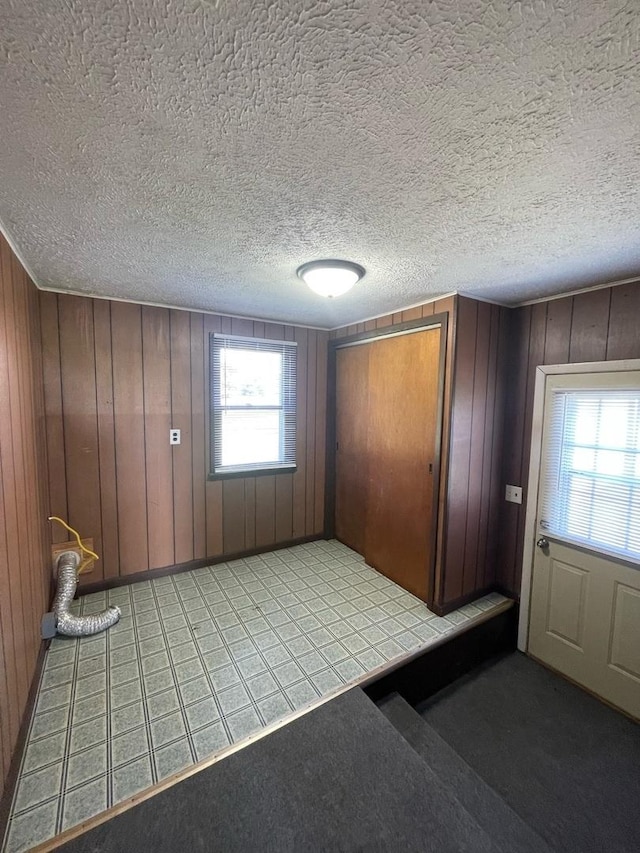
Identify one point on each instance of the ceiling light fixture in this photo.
(330, 278)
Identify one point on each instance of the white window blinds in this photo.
(591, 487)
(253, 404)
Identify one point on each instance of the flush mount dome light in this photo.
(330, 278)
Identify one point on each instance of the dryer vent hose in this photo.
(66, 622)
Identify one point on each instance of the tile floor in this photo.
(200, 661)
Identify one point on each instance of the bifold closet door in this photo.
(386, 428)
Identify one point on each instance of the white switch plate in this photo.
(174, 436)
(513, 494)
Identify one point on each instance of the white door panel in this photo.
(585, 604)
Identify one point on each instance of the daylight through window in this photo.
(253, 404)
(592, 493)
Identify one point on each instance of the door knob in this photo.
(542, 543)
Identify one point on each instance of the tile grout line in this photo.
(181, 705)
(67, 746)
(143, 693)
(270, 627)
(201, 660)
(233, 662)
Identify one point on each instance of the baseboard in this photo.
(150, 574)
(16, 759)
(440, 666)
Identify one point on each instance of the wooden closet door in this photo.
(352, 415)
(402, 431)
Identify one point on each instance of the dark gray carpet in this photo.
(566, 763)
(340, 778)
(508, 831)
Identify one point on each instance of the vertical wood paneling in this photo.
(156, 369)
(312, 361)
(473, 554)
(145, 370)
(622, 340)
(110, 558)
(412, 314)
(321, 418)
(181, 454)
(537, 339)
(520, 328)
(80, 421)
(128, 405)
(495, 441)
(558, 331)
(57, 472)
(233, 512)
(460, 447)
(24, 500)
(592, 326)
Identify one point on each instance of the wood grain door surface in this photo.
(386, 429)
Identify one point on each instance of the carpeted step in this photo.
(565, 762)
(508, 831)
(340, 778)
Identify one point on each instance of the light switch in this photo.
(174, 436)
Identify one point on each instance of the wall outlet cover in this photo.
(513, 494)
(174, 436)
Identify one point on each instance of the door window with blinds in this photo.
(253, 405)
(591, 488)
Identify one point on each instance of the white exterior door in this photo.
(585, 595)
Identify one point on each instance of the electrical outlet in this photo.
(72, 545)
(513, 494)
(174, 436)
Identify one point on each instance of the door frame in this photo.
(407, 327)
(535, 459)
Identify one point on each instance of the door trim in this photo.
(407, 327)
(542, 371)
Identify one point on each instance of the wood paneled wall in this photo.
(24, 558)
(471, 459)
(117, 377)
(473, 497)
(599, 325)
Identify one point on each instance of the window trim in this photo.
(211, 474)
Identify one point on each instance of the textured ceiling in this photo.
(195, 153)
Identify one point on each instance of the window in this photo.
(253, 404)
(592, 483)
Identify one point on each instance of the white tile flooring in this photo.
(199, 661)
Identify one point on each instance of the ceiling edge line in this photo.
(483, 299)
(182, 308)
(397, 310)
(633, 280)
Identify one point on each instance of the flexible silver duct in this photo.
(66, 622)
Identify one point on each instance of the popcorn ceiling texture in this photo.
(195, 153)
